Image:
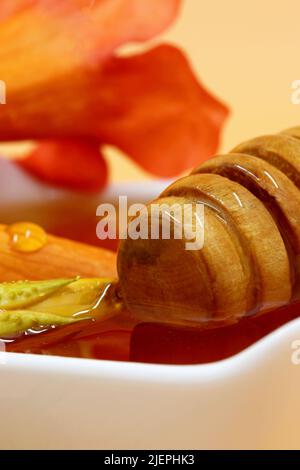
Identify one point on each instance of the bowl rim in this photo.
(242, 362)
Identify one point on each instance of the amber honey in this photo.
(26, 237)
(121, 338)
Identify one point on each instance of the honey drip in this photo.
(27, 237)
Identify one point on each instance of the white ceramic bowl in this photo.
(250, 400)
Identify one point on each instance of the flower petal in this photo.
(9, 8)
(149, 105)
(70, 163)
(51, 38)
(157, 112)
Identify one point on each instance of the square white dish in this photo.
(247, 401)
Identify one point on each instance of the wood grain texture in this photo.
(250, 261)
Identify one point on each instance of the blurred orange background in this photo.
(245, 53)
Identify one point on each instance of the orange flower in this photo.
(69, 163)
(65, 81)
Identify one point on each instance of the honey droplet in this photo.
(27, 237)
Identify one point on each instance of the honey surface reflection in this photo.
(122, 339)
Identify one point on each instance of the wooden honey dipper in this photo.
(249, 263)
